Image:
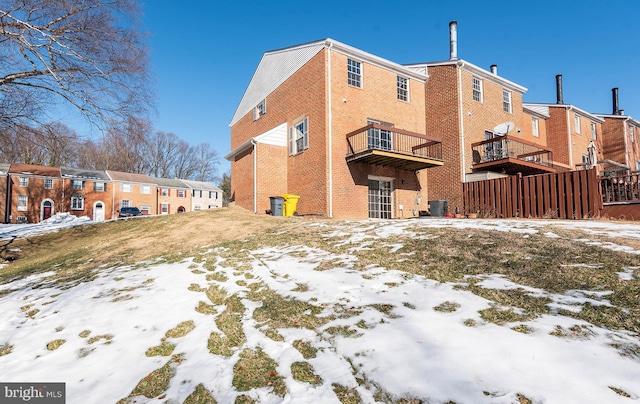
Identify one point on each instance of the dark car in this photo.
(129, 212)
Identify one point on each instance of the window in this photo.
(213, 194)
(631, 134)
(379, 138)
(181, 193)
(48, 183)
(77, 184)
(77, 202)
(197, 193)
(145, 209)
(126, 187)
(477, 89)
(22, 202)
(506, 101)
(403, 88)
(354, 73)
(576, 122)
(164, 208)
(23, 181)
(125, 203)
(260, 110)
(299, 137)
(145, 189)
(593, 131)
(637, 165)
(164, 191)
(585, 160)
(197, 207)
(534, 127)
(99, 186)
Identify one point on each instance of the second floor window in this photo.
(593, 131)
(477, 89)
(23, 181)
(77, 184)
(164, 191)
(506, 101)
(403, 88)
(182, 193)
(77, 202)
(48, 183)
(22, 202)
(631, 134)
(354, 73)
(299, 137)
(260, 110)
(126, 187)
(99, 186)
(534, 127)
(576, 122)
(145, 189)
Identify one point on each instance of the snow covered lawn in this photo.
(347, 312)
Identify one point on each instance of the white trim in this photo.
(94, 211)
(53, 208)
(462, 145)
(330, 133)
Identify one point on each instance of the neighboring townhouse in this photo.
(34, 193)
(4, 195)
(485, 130)
(87, 193)
(137, 190)
(621, 143)
(339, 127)
(204, 195)
(174, 196)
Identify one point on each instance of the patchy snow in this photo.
(414, 351)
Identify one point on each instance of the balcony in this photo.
(388, 146)
(512, 155)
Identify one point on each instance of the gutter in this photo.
(255, 175)
(459, 66)
(569, 108)
(330, 133)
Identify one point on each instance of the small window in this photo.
(145, 189)
(506, 101)
(145, 209)
(23, 181)
(77, 185)
(534, 127)
(354, 73)
(585, 160)
(593, 131)
(213, 195)
(99, 186)
(125, 203)
(299, 137)
(48, 183)
(126, 187)
(477, 89)
(403, 88)
(260, 110)
(576, 122)
(77, 202)
(164, 208)
(164, 192)
(197, 207)
(22, 202)
(182, 193)
(631, 134)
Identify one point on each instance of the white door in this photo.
(380, 199)
(98, 212)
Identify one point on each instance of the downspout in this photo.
(459, 66)
(627, 152)
(330, 134)
(569, 108)
(255, 175)
(7, 213)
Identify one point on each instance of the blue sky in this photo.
(204, 52)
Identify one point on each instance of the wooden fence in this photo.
(567, 195)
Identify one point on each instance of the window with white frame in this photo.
(535, 130)
(48, 183)
(354, 73)
(22, 202)
(403, 88)
(593, 131)
(631, 134)
(164, 208)
(197, 193)
(125, 203)
(145, 189)
(164, 191)
(299, 137)
(99, 186)
(477, 89)
(576, 122)
(145, 209)
(260, 110)
(77, 202)
(213, 194)
(126, 187)
(506, 101)
(77, 184)
(637, 165)
(23, 181)
(182, 193)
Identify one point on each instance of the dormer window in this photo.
(260, 110)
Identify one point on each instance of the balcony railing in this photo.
(389, 146)
(511, 156)
(621, 188)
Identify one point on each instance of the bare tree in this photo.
(85, 53)
(52, 144)
(125, 144)
(206, 163)
(60, 143)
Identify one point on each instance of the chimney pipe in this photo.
(453, 40)
(559, 89)
(616, 106)
(494, 69)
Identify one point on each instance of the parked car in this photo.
(129, 212)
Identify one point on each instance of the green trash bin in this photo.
(277, 203)
(438, 208)
(290, 204)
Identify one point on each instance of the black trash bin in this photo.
(438, 208)
(277, 202)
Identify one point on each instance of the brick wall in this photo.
(557, 135)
